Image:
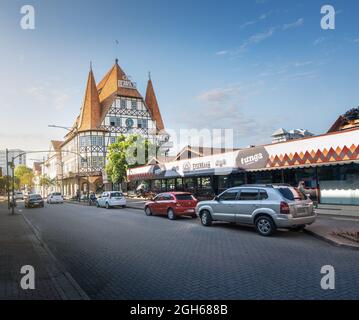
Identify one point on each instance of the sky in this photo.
(253, 66)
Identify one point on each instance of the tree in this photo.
(127, 152)
(25, 176)
(8, 180)
(46, 182)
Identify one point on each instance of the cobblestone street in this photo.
(123, 254)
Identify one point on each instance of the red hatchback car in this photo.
(172, 204)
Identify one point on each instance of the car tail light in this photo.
(284, 208)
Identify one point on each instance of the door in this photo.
(102, 200)
(248, 201)
(165, 203)
(225, 208)
(155, 206)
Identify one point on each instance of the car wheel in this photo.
(124, 206)
(171, 214)
(206, 218)
(299, 228)
(107, 206)
(97, 205)
(265, 226)
(148, 211)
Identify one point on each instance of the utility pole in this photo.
(7, 179)
(13, 185)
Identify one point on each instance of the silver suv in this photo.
(267, 207)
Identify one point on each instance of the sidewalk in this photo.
(338, 210)
(19, 246)
(326, 228)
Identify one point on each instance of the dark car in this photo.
(34, 200)
(172, 204)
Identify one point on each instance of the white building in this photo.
(281, 135)
(19, 160)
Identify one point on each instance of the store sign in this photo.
(127, 83)
(252, 158)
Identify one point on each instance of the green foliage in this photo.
(45, 181)
(25, 176)
(8, 179)
(127, 152)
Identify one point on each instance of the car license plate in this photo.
(301, 211)
(118, 198)
(190, 210)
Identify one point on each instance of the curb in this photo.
(330, 241)
(86, 205)
(65, 284)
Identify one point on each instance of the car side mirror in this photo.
(216, 198)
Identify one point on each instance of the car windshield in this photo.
(184, 197)
(116, 195)
(292, 194)
(56, 194)
(35, 197)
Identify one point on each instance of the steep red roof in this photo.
(151, 102)
(110, 84)
(56, 144)
(91, 110)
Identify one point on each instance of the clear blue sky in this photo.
(251, 65)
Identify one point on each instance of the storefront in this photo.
(327, 164)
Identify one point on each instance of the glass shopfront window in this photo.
(206, 183)
(238, 179)
(223, 183)
(179, 184)
(156, 185)
(163, 185)
(171, 184)
(189, 184)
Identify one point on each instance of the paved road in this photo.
(123, 254)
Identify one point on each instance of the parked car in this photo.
(34, 200)
(55, 197)
(19, 195)
(111, 199)
(172, 204)
(267, 207)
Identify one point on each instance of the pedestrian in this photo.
(92, 199)
(78, 195)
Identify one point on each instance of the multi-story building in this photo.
(20, 159)
(282, 135)
(52, 168)
(112, 107)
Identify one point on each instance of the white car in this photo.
(110, 199)
(55, 197)
(19, 195)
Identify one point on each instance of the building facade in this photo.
(111, 108)
(327, 164)
(282, 135)
(19, 160)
